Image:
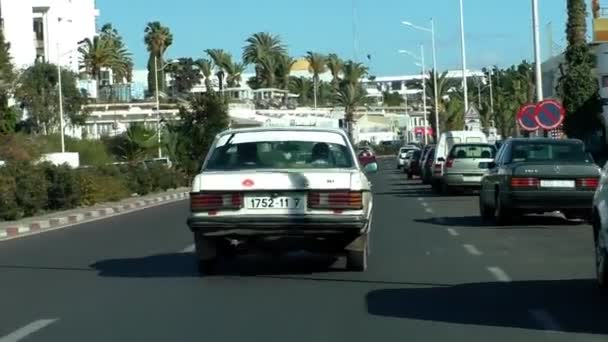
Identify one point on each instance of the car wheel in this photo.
(356, 260)
(207, 267)
(410, 175)
(445, 189)
(485, 212)
(601, 258)
(502, 214)
(436, 186)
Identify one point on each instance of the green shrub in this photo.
(32, 188)
(63, 188)
(97, 187)
(9, 209)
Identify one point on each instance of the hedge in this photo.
(27, 189)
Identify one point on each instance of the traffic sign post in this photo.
(547, 115)
(525, 118)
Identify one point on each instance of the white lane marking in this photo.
(471, 249)
(429, 210)
(420, 199)
(188, 249)
(544, 318)
(27, 330)
(452, 231)
(499, 274)
(424, 204)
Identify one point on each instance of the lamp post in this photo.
(435, 90)
(464, 59)
(157, 94)
(422, 65)
(61, 124)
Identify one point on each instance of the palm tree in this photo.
(206, 67)
(263, 49)
(316, 66)
(302, 87)
(234, 71)
(158, 38)
(353, 72)
(284, 63)
(96, 54)
(268, 67)
(122, 67)
(335, 65)
(222, 61)
(350, 97)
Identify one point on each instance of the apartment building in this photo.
(47, 30)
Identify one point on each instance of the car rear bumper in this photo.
(320, 225)
(550, 199)
(468, 180)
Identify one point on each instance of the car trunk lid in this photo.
(275, 180)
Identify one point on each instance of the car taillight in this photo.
(449, 163)
(349, 200)
(524, 182)
(587, 183)
(215, 201)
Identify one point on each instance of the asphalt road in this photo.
(436, 274)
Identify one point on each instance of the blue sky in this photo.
(498, 32)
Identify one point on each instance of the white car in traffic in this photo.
(282, 189)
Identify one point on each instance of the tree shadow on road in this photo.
(536, 221)
(574, 305)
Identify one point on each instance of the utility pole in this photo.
(61, 123)
(158, 130)
(464, 59)
(537, 56)
(426, 139)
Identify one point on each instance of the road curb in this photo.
(86, 215)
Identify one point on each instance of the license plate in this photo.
(471, 178)
(266, 202)
(556, 183)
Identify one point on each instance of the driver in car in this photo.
(320, 154)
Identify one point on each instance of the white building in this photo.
(47, 30)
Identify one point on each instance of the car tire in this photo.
(356, 260)
(436, 186)
(207, 267)
(410, 175)
(502, 214)
(485, 211)
(601, 258)
(446, 189)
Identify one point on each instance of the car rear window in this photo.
(283, 153)
(541, 151)
(472, 151)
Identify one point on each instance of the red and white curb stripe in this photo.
(90, 215)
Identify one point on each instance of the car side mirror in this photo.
(371, 168)
(441, 159)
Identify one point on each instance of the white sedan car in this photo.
(281, 189)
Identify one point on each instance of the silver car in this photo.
(599, 221)
(465, 166)
(282, 189)
(402, 153)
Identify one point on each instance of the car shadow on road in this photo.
(184, 265)
(572, 305)
(537, 221)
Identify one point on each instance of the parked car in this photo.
(465, 166)
(446, 141)
(281, 189)
(426, 171)
(413, 167)
(407, 160)
(539, 175)
(366, 155)
(599, 222)
(401, 154)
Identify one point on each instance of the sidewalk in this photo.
(55, 220)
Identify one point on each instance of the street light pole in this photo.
(537, 56)
(160, 149)
(424, 95)
(491, 91)
(437, 130)
(464, 59)
(61, 124)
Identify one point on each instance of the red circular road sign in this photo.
(549, 114)
(526, 118)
